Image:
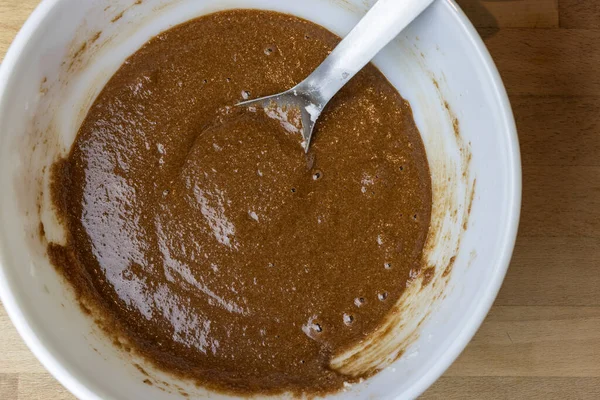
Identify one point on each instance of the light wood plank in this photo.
(579, 14)
(15, 357)
(511, 13)
(13, 14)
(9, 386)
(547, 62)
(41, 387)
(514, 388)
(534, 341)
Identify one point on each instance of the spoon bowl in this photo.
(381, 24)
(292, 99)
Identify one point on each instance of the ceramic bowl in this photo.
(67, 51)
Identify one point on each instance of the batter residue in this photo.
(205, 235)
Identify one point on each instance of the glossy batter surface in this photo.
(208, 240)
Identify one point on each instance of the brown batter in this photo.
(205, 235)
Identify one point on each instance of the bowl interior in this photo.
(50, 78)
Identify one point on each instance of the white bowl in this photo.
(49, 79)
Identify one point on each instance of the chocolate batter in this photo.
(207, 239)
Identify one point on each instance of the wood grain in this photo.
(547, 62)
(553, 279)
(15, 357)
(541, 339)
(9, 386)
(41, 386)
(514, 388)
(579, 14)
(511, 13)
(12, 16)
(534, 341)
(543, 123)
(561, 201)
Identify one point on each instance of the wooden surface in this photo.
(541, 339)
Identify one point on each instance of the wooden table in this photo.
(541, 339)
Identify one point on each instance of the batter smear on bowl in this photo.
(206, 237)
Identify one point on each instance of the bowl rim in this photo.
(514, 195)
(79, 386)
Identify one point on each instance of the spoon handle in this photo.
(384, 21)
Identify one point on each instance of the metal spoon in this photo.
(384, 21)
